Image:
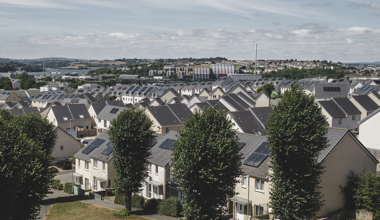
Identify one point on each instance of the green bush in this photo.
(69, 188)
(122, 212)
(151, 206)
(138, 201)
(56, 184)
(170, 207)
(119, 199)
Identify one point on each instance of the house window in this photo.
(260, 185)
(353, 117)
(156, 170)
(99, 120)
(86, 165)
(244, 181)
(95, 164)
(78, 163)
(259, 210)
(61, 147)
(104, 167)
(214, 96)
(339, 121)
(167, 130)
(149, 167)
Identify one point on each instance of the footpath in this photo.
(51, 199)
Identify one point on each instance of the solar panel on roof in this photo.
(149, 89)
(95, 144)
(203, 84)
(181, 84)
(175, 84)
(262, 149)
(168, 144)
(44, 97)
(92, 93)
(114, 110)
(60, 96)
(194, 84)
(71, 96)
(209, 83)
(280, 78)
(125, 88)
(143, 89)
(135, 89)
(241, 145)
(108, 150)
(255, 159)
(3, 93)
(8, 93)
(97, 90)
(55, 96)
(81, 90)
(119, 87)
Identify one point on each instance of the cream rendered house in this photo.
(262, 100)
(65, 146)
(343, 155)
(369, 130)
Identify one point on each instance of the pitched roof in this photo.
(246, 99)
(79, 111)
(181, 111)
(161, 156)
(369, 116)
(332, 108)
(252, 143)
(217, 105)
(115, 103)
(163, 115)
(240, 101)
(98, 107)
(262, 113)
(347, 106)
(365, 101)
(233, 103)
(247, 122)
(109, 112)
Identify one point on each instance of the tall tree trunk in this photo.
(128, 201)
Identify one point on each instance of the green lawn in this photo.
(68, 210)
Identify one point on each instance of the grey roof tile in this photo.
(332, 108)
(365, 101)
(347, 106)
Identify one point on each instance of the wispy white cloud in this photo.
(371, 5)
(351, 44)
(35, 4)
(317, 5)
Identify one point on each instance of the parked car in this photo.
(64, 164)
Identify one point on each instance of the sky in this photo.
(340, 30)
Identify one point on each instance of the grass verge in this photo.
(66, 209)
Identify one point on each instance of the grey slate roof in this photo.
(217, 105)
(262, 113)
(106, 114)
(163, 115)
(115, 103)
(365, 101)
(161, 156)
(247, 122)
(201, 105)
(98, 107)
(71, 112)
(347, 106)
(181, 111)
(25, 110)
(333, 109)
(97, 152)
(233, 103)
(246, 99)
(376, 94)
(241, 102)
(369, 116)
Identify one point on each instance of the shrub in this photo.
(138, 201)
(56, 184)
(69, 188)
(171, 207)
(119, 199)
(122, 212)
(151, 206)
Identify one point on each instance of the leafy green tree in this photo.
(112, 97)
(363, 192)
(26, 142)
(206, 163)
(131, 135)
(295, 135)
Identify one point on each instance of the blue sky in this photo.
(341, 30)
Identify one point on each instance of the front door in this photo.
(95, 184)
(239, 211)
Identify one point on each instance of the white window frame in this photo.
(104, 167)
(95, 164)
(78, 163)
(156, 170)
(244, 181)
(339, 121)
(353, 117)
(86, 165)
(260, 185)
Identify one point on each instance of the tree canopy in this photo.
(26, 142)
(295, 132)
(131, 136)
(268, 88)
(206, 163)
